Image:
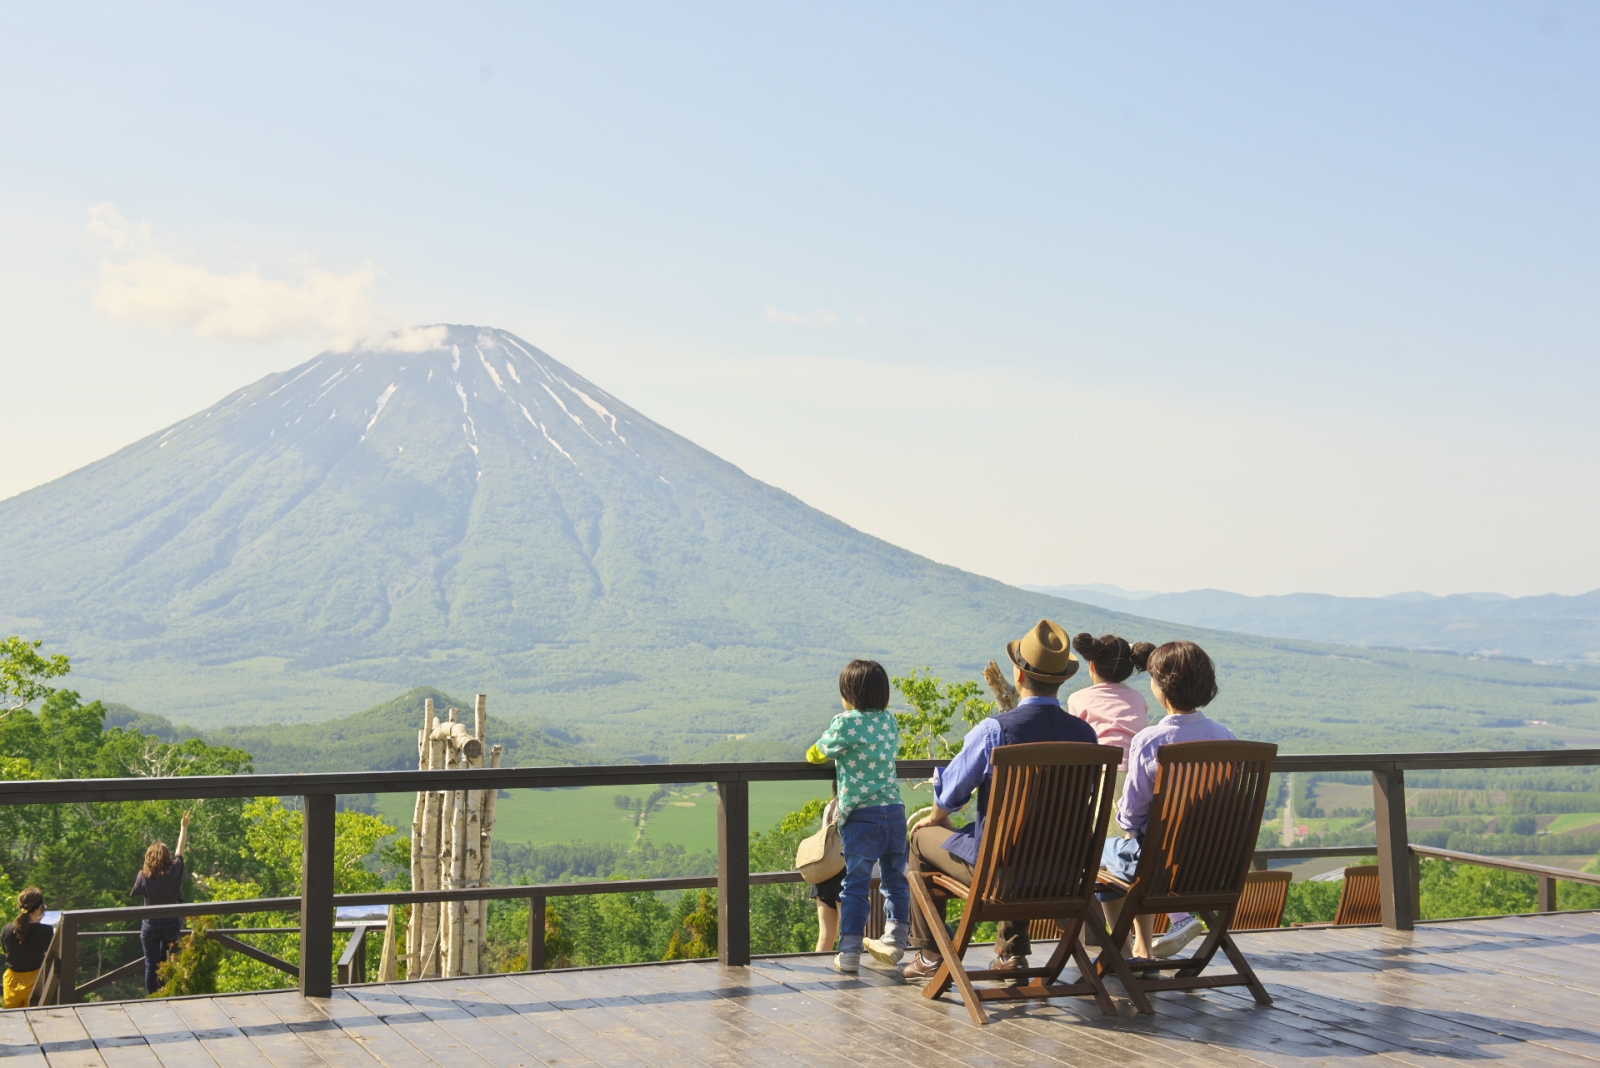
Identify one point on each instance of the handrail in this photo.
(1397, 886)
(194, 787)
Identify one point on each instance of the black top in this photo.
(161, 889)
(26, 956)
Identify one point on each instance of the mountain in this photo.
(451, 507)
(1549, 627)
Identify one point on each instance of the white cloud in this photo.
(411, 339)
(816, 317)
(141, 284)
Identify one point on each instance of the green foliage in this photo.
(783, 916)
(694, 927)
(1311, 902)
(23, 671)
(193, 968)
(1451, 890)
(935, 707)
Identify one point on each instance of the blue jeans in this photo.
(1121, 858)
(873, 835)
(157, 936)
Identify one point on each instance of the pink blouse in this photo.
(1116, 712)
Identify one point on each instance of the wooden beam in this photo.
(316, 897)
(536, 933)
(1547, 893)
(1394, 851)
(252, 952)
(353, 961)
(733, 872)
(133, 967)
(67, 966)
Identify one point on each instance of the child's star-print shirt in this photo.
(864, 744)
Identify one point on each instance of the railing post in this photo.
(316, 897)
(1547, 893)
(67, 966)
(1394, 850)
(733, 872)
(536, 933)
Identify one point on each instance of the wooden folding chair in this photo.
(1261, 903)
(1049, 803)
(1205, 813)
(1358, 897)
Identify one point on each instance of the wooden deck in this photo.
(1521, 990)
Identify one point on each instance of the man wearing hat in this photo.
(1043, 661)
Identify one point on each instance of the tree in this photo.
(23, 671)
(935, 706)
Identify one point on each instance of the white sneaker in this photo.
(1174, 940)
(883, 951)
(848, 963)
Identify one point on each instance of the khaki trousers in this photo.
(928, 854)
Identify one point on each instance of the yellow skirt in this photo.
(18, 985)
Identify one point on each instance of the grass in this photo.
(1573, 821)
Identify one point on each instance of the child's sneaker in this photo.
(1174, 940)
(848, 963)
(883, 951)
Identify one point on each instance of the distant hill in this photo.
(451, 507)
(383, 738)
(1550, 627)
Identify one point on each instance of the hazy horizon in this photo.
(1258, 300)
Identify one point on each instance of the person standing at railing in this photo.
(160, 882)
(1116, 711)
(1183, 681)
(26, 940)
(864, 742)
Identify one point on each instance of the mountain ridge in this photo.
(452, 507)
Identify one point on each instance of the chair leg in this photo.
(1111, 952)
(951, 970)
(1242, 966)
(1101, 996)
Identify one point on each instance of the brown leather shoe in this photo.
(1009, 964)
(921, 967)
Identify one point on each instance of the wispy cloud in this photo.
(817, 317)
(139, 283)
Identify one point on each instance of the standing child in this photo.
(864, 742)
(1116, 712)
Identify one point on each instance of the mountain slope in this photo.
(1548, 627)
(451, 507)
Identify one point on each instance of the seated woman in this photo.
(26, 939)
(1183, 681)
(1116, 711)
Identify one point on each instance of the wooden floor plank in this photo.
(170, 1040)
(390, 1048)
(62, 1038)
(441, 1003)
(274, 1038)
(118, 1040)
(390, 1006)
(497, 1003)
(570, 1018)
(18, 1046)
(632, 1019)
(228, 1046)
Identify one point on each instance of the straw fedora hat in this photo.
(1044, 653)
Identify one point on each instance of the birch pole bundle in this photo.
(451, 835)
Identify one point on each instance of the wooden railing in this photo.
(319, 791)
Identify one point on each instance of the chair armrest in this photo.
(950, 886)
(1105, 878)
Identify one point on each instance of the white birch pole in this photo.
(471, 914)
(388, 966)
(486, 844)
(458, 877)
(428, 937)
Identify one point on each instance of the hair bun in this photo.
(1087, 647)
(1141, 655)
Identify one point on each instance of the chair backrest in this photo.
(1262, 900)
(1205, 814)
(1049, 803)
(1358, 897)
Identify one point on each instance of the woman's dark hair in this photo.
(30, 899)
(1185, 674)
(157, 860)
(864, 684)
(1113, 658)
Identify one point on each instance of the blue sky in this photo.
(1261, 297)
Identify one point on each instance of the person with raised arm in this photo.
(160, 882)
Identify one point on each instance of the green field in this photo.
(1574, 821)
(589, 813)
